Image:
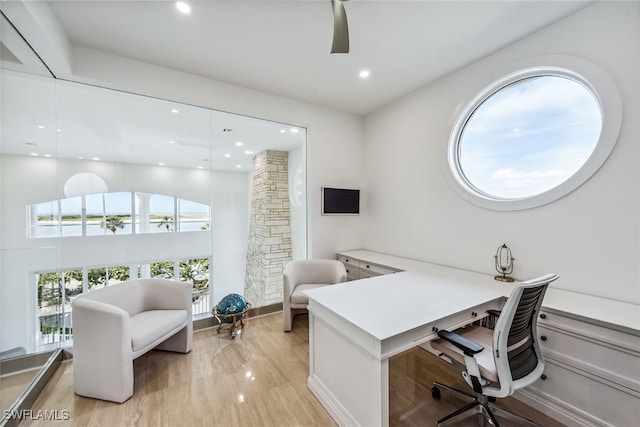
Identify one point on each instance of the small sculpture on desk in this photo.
(504, 263)
(230, 313)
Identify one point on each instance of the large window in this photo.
(530, 138)
(108, 213)
(111, 214)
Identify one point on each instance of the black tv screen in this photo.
(340, 201)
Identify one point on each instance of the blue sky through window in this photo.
(529, 137)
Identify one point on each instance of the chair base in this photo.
(480, 404)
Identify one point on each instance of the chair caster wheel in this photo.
(435, 393)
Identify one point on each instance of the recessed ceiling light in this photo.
(47, 155)
(58, 130)
(40, 127)
(238, 166)
(364, 74)
(227, 155)
(34, 154)
(183, 7)
(282, 131)
(248, 152)
(239, 144)
(172, 142)
(293, 130)
(79, 158)
(200, 167)
(95, 158)
(175, 111)
(160, 164)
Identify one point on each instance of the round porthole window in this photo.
(531, 138)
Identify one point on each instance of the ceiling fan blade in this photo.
(340, 28)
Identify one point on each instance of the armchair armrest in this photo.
(466, 345)
(101, 328)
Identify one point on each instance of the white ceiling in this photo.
(282, 46)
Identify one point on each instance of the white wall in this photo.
(590, 237)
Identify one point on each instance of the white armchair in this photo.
(302, 275)
(114, 325)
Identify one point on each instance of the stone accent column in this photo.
(269, 229)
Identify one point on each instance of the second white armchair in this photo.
(302, 275)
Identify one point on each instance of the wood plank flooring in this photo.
(258, 379)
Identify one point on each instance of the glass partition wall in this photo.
(99, 186)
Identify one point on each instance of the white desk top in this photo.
(385, 306)
(615, 314)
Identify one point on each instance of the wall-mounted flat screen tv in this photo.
(340, 201)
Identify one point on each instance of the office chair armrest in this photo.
(494, 313)
(466, 345)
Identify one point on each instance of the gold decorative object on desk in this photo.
(504, 263)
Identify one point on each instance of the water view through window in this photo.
(110, 214)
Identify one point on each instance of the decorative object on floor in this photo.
(230, 313)
(504, 263)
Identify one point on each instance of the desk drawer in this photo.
(607, 353)
(352, 266)
(375, 269)
(608, 360)
(609, 406)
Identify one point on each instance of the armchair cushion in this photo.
(298, 296)
(150, 326)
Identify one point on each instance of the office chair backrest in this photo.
(517, 353)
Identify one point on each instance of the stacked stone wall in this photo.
(269, 228)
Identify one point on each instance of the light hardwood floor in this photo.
(258, 379)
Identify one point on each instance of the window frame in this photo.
(590, 76)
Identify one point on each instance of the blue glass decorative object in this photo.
(231, 304)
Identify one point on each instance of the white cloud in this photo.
(534, 182)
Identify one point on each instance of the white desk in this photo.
(587, 341)
(355, 327)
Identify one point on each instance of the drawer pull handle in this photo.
(434, 329)
(543, 377)
(474, 314)
(543, 316)
(368, 266)
(543, 338)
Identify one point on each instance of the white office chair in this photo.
(496, 363)
(302, 275)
